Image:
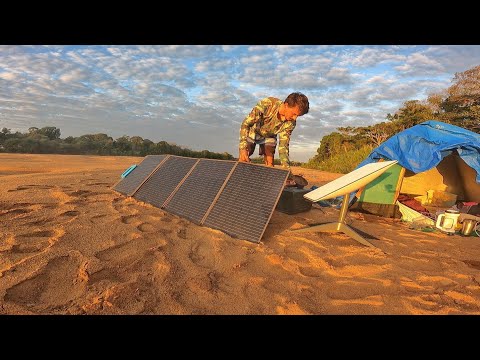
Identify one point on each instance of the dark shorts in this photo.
(267, 146)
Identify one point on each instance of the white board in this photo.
(349, 182)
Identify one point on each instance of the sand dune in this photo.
(69, 244)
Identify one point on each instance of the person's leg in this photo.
(267, 160)
(251, 146)
(269, 151)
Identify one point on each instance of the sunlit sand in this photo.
(69, 244)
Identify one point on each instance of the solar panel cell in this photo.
(246, 204)
(165, 180)
(135, 178)
(196, 194)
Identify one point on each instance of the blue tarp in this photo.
(423, 146)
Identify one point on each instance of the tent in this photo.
(431, 156)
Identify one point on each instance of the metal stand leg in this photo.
(339, 226)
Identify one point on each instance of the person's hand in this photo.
(243, 156)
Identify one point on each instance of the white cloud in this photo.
(420, 64)
(8, 76)
(369, 57)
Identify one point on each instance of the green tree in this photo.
(412, 112)
(123, 145)
(136, 144)
(50, 132)
(461, 106)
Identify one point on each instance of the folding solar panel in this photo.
(134, 179)
(247, 201)
(162, 183)
(200, 188)
(236, 198)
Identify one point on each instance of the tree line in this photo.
(342, 150)
(47, 140)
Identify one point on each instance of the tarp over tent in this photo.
(423, 146)
(431, 156)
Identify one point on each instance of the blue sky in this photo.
(197, 96)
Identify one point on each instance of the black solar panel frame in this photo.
(250, 186)
(197, 193)
(165, 180)
(140, 174)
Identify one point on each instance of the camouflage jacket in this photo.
(263, 122)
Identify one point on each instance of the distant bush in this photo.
(341, 163)
(47, 141)
(259, 160)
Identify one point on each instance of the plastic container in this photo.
(468, 226)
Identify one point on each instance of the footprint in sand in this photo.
(107, 274)
(17, 209)
(130, 251)
(49, 206)
(70, 213)
(429, 303)
(182, 233)
(473, 264)
(136, 220)
(80, 202)
(29, 247)
(146, 227)
(26, 246)
(7, 206)
(295, 253)
(62, 280)
(40, 222)
(32, 242)
(97, 218)
(87, 194)
(121, 206)
(78, 193)
(129, 219)
(41, 233)
(203, 253)
(312, 272)
(29, 187)
(217, 283)
(18, 188)
(16, 212)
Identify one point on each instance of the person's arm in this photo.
(252, 118)
(284, 144)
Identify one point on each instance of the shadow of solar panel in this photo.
(194, 197)
(163, 182)
(128, 184)
(246, 204)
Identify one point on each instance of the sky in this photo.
(196, 96)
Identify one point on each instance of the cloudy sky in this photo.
(197, 96)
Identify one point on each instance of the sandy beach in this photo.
(69, 244)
